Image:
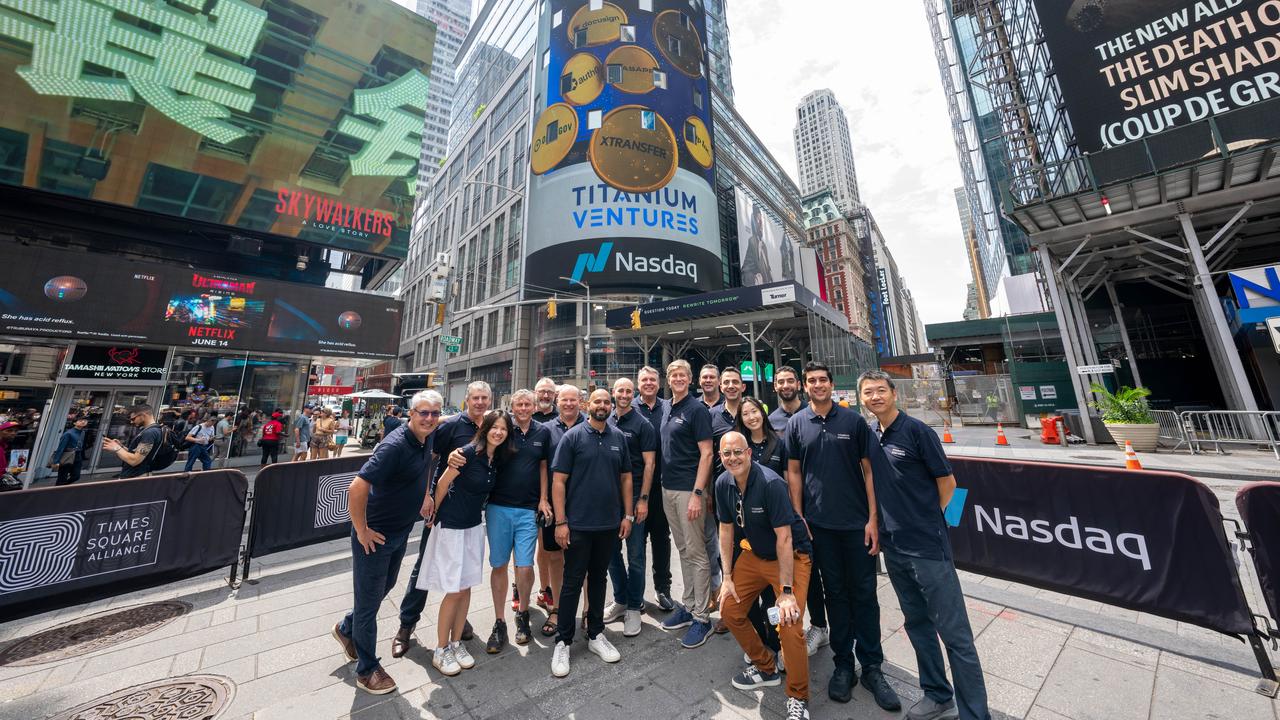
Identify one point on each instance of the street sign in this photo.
(453, 348)
(1095, 369)
(1273, 324)
(451, 340)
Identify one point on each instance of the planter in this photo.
(1143, 436)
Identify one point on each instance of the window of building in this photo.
(492, 339)
(177, 192)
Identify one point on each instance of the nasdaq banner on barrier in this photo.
(622, 190)
(64, 545)
(1147, 541)
(296, 504)
(1259, 506)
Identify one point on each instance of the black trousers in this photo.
(853, 610)
(271, 450)
(659, 532)
(69, 472)
(759, 617)
(586, 559)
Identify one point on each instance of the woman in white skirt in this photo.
(454, 560)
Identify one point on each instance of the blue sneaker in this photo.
(697, 635)
(678, 619)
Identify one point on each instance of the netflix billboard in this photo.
(99, 298)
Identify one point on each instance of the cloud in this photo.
(878, 60)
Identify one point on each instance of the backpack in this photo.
(164, 454)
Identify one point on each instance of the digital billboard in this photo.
(621, 195)
(60, 294)
(768, 254)
(301, 118)
(1132, 68)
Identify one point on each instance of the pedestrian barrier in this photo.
(1171, 433)
(67, 545)
(1259, 506)
(1231, 427)
(1149, 541)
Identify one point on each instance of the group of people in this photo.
(772, 514)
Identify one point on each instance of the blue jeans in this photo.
(933, 606)
(628, 580)
(373, 575)
(853, 610)
(414, 599)
(198, 452)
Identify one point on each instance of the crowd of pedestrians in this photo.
(774, 515)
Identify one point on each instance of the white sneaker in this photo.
(461, 654)
(614, 612)
(444, 661)
(631, 623)
(601, 646)
(777, 659)
(815, 637)
(560, 660)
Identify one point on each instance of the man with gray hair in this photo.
(545, 391)
(452, 434)
(384, 500)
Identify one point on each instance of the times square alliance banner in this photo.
(622, 194)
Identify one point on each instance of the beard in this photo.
(788, 396)
(600, 414)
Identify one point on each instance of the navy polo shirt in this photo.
(656, 416)
(461, 507)
(830, 449)
(722, 423)
(906, 473)
(541, 417)
(766, 505)
(640, 439)
(688, 423)
(774, 458)
(594, 460)
(452, 434)
(778, 420)
(557, 428)
(398, 470)
(519, 481)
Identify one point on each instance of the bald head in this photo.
(735, 454)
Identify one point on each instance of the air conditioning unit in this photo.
(443, 260)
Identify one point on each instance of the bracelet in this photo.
(564, 522)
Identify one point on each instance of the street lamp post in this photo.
(586, 340)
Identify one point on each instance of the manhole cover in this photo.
(190, 697)
(92, 633)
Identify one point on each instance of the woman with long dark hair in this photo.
(454, 558)
(766, 447)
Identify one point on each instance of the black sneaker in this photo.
(523, 631)
(664, 600)
(497, 638)
(797, 709)
(842, 683)
(468, 633)
(753, 678)
(886, 698)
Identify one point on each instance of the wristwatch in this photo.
(644, 498)
(630, 518)
(786, 590)
(697, 491)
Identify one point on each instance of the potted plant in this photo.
(1127, 416)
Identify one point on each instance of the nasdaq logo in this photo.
(588, 262)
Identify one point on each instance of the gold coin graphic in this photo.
(589, 28)
(581, 80)
(553, 137)
(697, 140)
(634, 150)
(678, 41)
(631, 69)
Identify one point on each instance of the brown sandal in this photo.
(550, 627)
(401, 643)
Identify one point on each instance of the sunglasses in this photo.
(427, 413)
(741, 522)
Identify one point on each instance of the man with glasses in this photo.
(135, 459)
(385, 500)
(656, 528)
(545, 391)
(763, 543)
(452, 434)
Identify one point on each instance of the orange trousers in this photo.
(751, 575)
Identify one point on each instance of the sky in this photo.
(877, 57)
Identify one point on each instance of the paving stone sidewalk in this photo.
(1046, 656)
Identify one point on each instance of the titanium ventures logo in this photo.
(591, 263)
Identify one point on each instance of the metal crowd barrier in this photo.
(1172, 434)
(1231, 427)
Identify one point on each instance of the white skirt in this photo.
(454, 560)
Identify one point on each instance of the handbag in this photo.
(68, 457)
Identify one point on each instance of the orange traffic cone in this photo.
(1000, 438)
(1130, 457)
(946, 434)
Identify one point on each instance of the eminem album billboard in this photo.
(621, 155)
(1133, 68)
(98, 298)
(302, 118)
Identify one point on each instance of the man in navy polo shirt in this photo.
(642, 444)
(568, 399)
(384, 501)
(913, 485)
(686, 478)
(592, 499)
(829, 473)
(546, 392)
(656, 527)
(452, 434)
(709, 383)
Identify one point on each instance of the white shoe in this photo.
(463, 657)
(444, 661)
(560, 660)
(815, 637)
(614, 612)
(631, 623)
(777, 659)
(601, 646)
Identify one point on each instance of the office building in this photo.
(832, 234)
(824, 152)
(452, 19)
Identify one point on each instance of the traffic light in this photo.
(440, 313)
(635, 319)
(551, 309)
(431, 379)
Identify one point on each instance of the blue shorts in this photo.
(511, 528)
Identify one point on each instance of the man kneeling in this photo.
(763, 542)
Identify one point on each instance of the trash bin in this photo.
(1049, 430)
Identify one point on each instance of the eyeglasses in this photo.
(427, 413)
(741, 522)
(733, 452)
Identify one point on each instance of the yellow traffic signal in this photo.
(431, 379)
(440, 313)
(551, 309)
(635, 319)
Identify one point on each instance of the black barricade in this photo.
(1147, 541)
(301, 503)
(67, 545)
(1259, 506)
